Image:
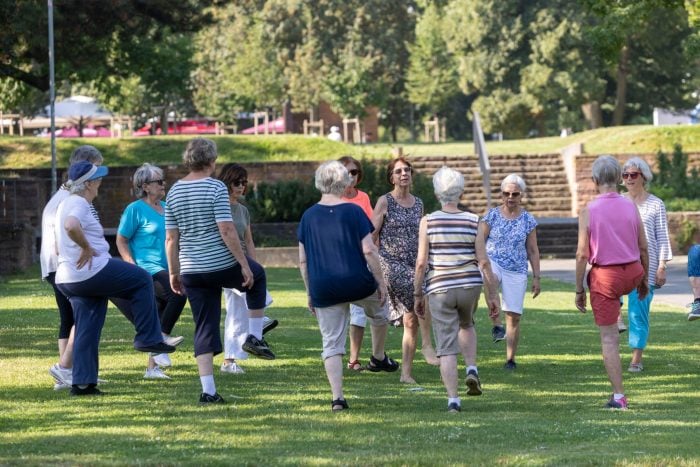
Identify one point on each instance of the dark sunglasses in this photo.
(240, 183)
(160, 182)
(353, 172)
(406, 170)
(631, 175)
(510, 194)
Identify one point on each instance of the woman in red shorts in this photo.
(611, 239)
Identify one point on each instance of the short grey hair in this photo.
(86, 153)
(513, 178)
(199, 153)
(332, 178)
(606, 171)
(641, 164)
(143, 174)
(448, 185)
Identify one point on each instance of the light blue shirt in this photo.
(506, 243)
(144, 227)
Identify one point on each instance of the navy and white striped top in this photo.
(653, 214)
(452, 254)
(194, 207)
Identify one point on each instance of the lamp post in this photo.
(52, 98)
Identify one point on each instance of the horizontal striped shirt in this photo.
(194, 207)
(653, 214)
(452, 254)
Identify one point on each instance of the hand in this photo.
(535, 287)
(643, 289)
(86, 255)
(382, 294)
(176, 284)
(580, 301)
(660, 276)
(310, 305)
(419, 306)
(494, 304)
(248, 279)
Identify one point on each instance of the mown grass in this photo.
(30, 152)
(548, 412)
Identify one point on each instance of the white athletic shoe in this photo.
(162, 360)
(233, 368)
(61, 387)
(62, 375)
(155, 373)
(173, 340)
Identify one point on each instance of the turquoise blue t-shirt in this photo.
(145, 229)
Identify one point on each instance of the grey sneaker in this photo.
(258, 347)
(473, 384)
(694, 311)
(498, 333)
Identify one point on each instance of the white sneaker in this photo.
(173, 340)
(62, 375)
(155, 373)
(233, 368)
(162, 360)
(61, 386)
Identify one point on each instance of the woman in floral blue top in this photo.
(511, 241)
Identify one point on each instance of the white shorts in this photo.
(513, 288)
(357, 316)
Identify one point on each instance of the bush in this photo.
(672, 183)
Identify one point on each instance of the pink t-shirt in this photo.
(613, 228)
(362, 200)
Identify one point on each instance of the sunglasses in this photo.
(160, 182)
(631, 175)
(240, 183)
(406, 170)
(510, 194)
(353, 172)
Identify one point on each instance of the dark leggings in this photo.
(65, 310)
(170, 304)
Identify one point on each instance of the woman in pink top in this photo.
(611, 238)
(358, 320)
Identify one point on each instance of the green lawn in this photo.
(30, 152)
(548, 412)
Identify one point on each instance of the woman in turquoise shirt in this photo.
(141, 241)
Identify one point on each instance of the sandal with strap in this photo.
(339, 405)
(355, 366)
(388, 364)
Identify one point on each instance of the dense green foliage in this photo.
(548, 412)
(674, 183)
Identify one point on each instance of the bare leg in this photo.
(334, 372)
(378, 340)
(66, 357)
(427, 348)
(357, 333)
(448, 372)
(512, 334)
(610, 343)
(408, 346)
(695, 285)
(205, 364)
(467, 344)
(636, 356)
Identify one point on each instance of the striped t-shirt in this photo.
(452, 254)
(194, 207)
(653, 214)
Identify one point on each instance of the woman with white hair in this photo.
(447, 271)
(636, 176)
(511, 241)
(87, 275)
(141, 241)
(611, 238)
(340, 265)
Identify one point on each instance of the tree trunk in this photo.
(592, 114)
(164, 121)
(621, 92)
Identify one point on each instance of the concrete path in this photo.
(676, 292)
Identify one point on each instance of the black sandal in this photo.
(387, 364)
(339, 405)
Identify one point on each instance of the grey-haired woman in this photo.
(141, 241)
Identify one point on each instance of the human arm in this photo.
(582, 254)
(490, 282)
(172, 253)
(305, 277)
(643, 287)
(249, 244)
(369, 249)
(378, 217)
(421, 266)
(664, 244)
(124, 250)
(74, 230)
(228, 233)
(533, 254)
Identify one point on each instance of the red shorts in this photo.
(607, 284)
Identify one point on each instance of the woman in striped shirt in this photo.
(636, 176)
(204, 255)
(447, 270)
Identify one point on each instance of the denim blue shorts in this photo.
(694, 261)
